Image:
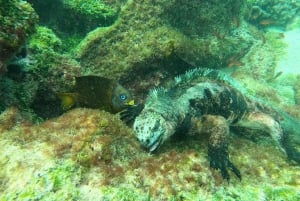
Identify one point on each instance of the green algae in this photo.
(274, 39)
(271, 13)
(145, 33)
(69, 17)
(180, 171)
(54, 183)
(91, 8)
(31, 81)
(18, 20)
(125, 194)
(282, 193)
(44, 40)
(104, 165)
(89, 39)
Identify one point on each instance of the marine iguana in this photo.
(209, 101)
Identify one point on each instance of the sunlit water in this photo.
(290, 62)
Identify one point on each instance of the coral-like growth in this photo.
(271, 13)
(10, 118)
(31, 85)
(297, 91)
(148, 34)
(18, 20)
(87, 154)
(76, 16)
(90, 154)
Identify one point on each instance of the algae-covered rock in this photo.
(90, 154)
(33, 79)
(297, 90)
(156, 33)
(271, 13)
(44, 40)
(18, 20)
(76, 16)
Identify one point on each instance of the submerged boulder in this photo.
(157, 34)
(18, 20)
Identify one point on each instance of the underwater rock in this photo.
(271, 13)
(76, 17)
(18, 20)
(9, 119)
(297, 91)
(147, 34)
(87, 154)
(32, 85)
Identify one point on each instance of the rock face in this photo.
(76, 16)
(32, 79)
(192, 33)
(141, 42)
(90, 154)
(18, 20)
(269, 12)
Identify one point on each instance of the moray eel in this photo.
(97, 92)
(208, 101)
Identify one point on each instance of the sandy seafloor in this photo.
(37, 162)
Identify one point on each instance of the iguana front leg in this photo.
(218, 130)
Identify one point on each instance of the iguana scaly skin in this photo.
(208, 101)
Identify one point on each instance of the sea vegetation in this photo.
(272, 13)
(40, 64)
(96, 156)
(68, 17)
(33, 78)
(148, 41)
(149, 34)
(71, 20)
(88, 154)
(270, 19)
(18, 20)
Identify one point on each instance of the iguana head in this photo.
(152, 129)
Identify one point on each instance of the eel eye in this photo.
(123, 97)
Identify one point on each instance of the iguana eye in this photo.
(123, 97)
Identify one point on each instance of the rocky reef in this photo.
(140, 43)
(18, 20)
(270, 12)
(96, 156)
(33, 78)
(76, 16)
(152, 34)
(86, 154)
